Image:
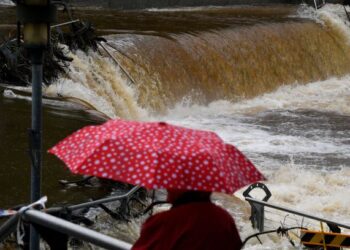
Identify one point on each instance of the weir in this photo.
(236, 63)
(200, 56)
(240, 59)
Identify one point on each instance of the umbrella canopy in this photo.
(157, 155)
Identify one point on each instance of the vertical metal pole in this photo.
(36, 36)
(36, 140)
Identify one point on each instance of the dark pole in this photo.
(36, 17)
(36, 135)
(36, 138)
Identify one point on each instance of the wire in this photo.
(281, 231)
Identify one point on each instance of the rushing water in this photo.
(273, 80)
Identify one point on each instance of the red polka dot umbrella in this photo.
(157, 155)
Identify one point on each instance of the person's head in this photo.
(182, 196)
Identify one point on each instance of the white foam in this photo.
(8, 93)
(332, 95)
(318, 191)
(314, 192)
(71, 90)
(6, 2)
(189, 9)
(27, 89)
(122, 42)
(329, 13)
(98, 84)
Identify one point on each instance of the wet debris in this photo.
(15, 68)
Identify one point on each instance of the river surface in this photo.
(272, 80)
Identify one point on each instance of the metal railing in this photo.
(60, 225)
(96, 202)
(8, 227)
(288, 210)
(258, 209)
(117, 62)
(74, 230)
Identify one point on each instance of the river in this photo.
(272, 80)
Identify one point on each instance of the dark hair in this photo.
(192, 196)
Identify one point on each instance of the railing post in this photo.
(257, 216)
(257, 212)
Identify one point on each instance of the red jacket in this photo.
(195, 225)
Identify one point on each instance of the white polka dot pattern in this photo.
(157, 155)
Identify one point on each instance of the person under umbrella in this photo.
(193, 222)
(189, 163)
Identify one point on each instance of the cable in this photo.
(282, 231)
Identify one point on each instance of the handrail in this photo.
(74, 230)
(8, 227)
(267, 204)
(96, 202)
(66, 23)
